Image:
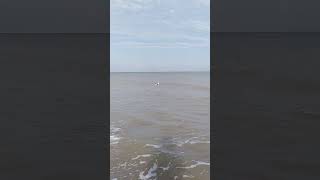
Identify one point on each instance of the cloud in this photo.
(204, 2)
(177, 30)
(203, 26)
(168, 25)
(189, 26)
(132, 5)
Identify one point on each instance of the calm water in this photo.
(160, 132)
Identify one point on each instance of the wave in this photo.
(198, 163)
(166, 168)
(153, 145)
(139, 156)
(114, 137)
(151, 172)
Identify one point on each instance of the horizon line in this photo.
(154, 71)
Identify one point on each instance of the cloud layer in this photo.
(159, 24)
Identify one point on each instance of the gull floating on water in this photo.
(157, 84)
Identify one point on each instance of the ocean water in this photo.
(160, 132)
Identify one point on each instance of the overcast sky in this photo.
(160, 35)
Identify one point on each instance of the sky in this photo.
(159, 35)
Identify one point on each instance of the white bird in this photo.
(157, 84)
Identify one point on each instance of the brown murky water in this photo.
(160, 131)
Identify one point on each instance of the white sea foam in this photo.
(153, 145)
(166, 168)
(139, 156)
(199, 142)
(186, 176)
(114, 137)
(123, 164)
(198, 163)
(142, 162)
(192, 140)
(114, 130)
(203, 171)
(151, 173)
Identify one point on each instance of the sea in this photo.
(160, 131)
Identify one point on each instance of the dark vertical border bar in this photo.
(54, 16)
(54, 106)
(54, 74)
(108, 89)
(212, 92)
(265, 92)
